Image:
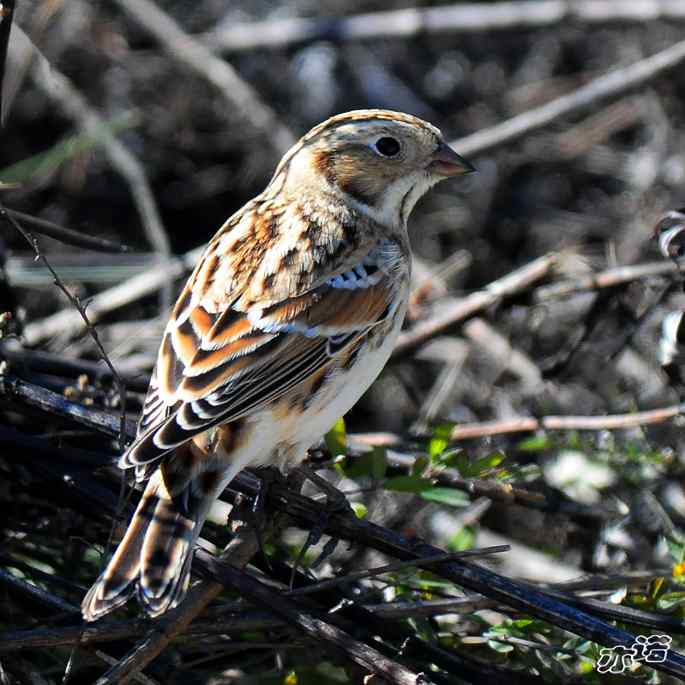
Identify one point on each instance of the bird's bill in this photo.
(446, 162)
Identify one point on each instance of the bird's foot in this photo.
(336, 503)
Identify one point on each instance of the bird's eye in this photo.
(387, 146)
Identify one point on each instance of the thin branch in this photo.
(43, 596)
(425, 562)
(506, 357)
(329, 635)
(477, 487)
(69, 99)
(604, 279)
(52, 601)
(561, 423)
(462, 18)
(67, 235)
(80, 309)
(241, 98)
(111, 661)
(508, 285)
(53, 403)
(112, 631)
(611, 85)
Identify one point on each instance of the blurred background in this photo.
(121, 128)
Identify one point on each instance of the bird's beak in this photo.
(446, 162)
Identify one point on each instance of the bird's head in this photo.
(380, 161)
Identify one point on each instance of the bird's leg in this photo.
(336, 502)
(265, 476)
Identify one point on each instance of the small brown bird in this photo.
(290, 314)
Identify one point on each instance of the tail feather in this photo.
(153, 558)
(165, 558)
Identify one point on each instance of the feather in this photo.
(219, 364)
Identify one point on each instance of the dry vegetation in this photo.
(524, 406)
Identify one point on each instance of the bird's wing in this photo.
(260, 314)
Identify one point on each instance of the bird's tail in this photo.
(153, 559)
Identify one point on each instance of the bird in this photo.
(291, 312)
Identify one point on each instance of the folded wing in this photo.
(229, 351)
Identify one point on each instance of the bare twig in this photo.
(111, 661)
(591, 423)
(51, 402)
(307, 512)
(461, 18)
(426, 562)
(80, 309)
(40, 595)
(62, 91)
(181, 46)
(613, 84)
(443, 387)
(508, 285)
(106, 423)
(67, 235)
(52, 601)
(112, 631)
(329, 635)
(527, 424)
(604, 279)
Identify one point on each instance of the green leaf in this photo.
(335, 438)
(360, 510)
(424, 582)
(521, 623)
(408, 484)
(453, 458)
(500, 647)
(464, 539)
(670, 601)
(490, 461)
(455, 498)
(439, 440)
(535, 443)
